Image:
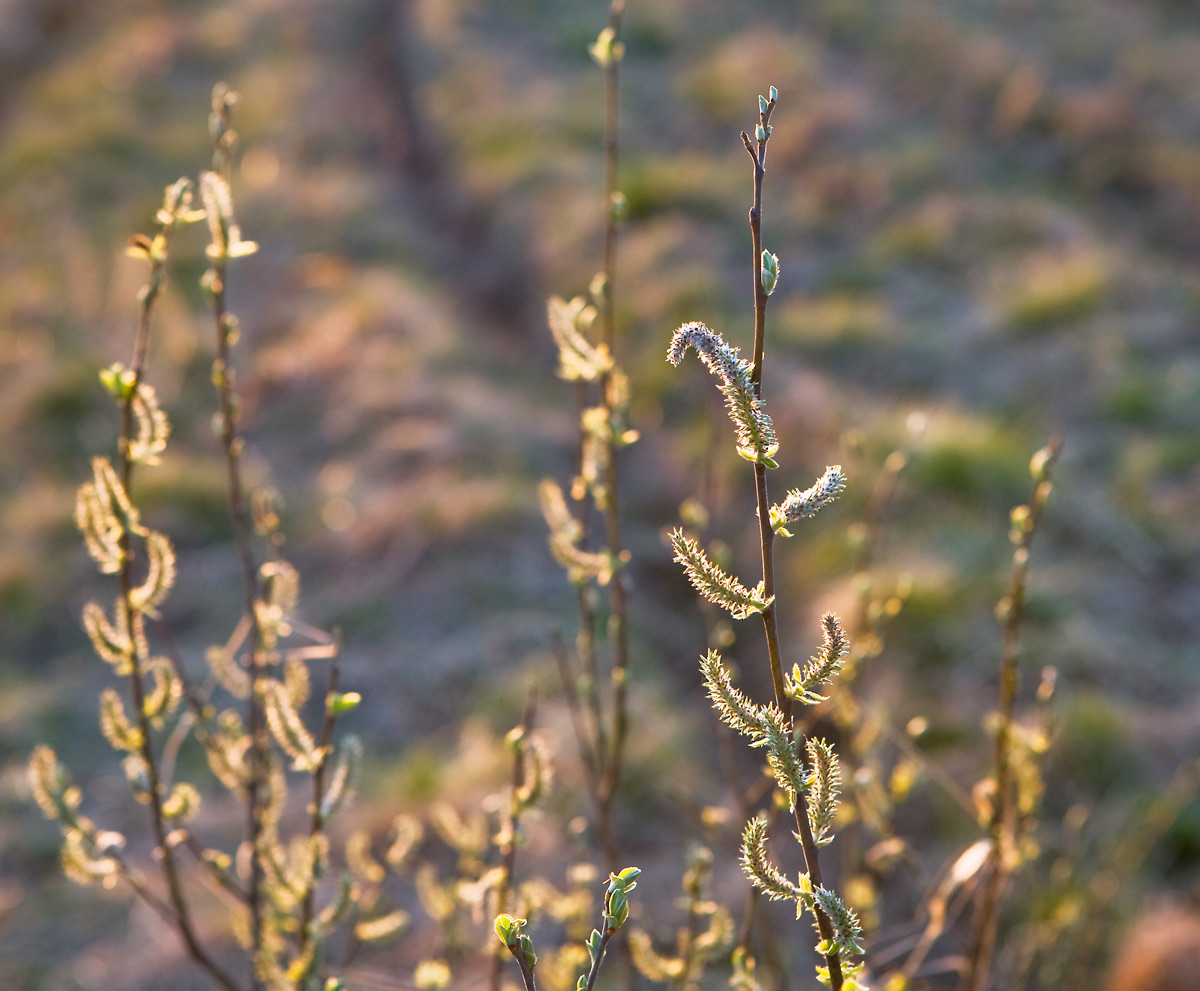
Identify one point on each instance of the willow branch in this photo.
(180, 912)
(758, 151)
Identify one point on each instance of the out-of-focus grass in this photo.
(985, 213)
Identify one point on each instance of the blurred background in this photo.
(988, 221)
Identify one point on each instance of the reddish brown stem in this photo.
(758, 151)
(231, 444)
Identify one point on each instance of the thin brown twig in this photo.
(508, 864)
(231, 444)
(758, 151)
(1002, 826)
(583, 739)
(224, 143)
(196, 719)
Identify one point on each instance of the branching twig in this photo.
(226, 243)
(176, 202)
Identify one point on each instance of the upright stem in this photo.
(605, 939)
(1002, 825)
(619, 625)
(758, 152)
(508, 865)
(180, 913)
(316, 823)
(583, 738)
(612, 109)
(231, 443)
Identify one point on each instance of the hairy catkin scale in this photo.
(713, 583)
(758, 867)
(822, 668)
(734, 708)
(755, 431)
(806, 503)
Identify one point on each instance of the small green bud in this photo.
(774, 94)
(762, 104)
(527, 952)
(618, 910)
(118, 380)
(598, 288)
(1037, 465)
(507, 927)
(514, 739)
(618, 206)
(1021, 522)
(509, 931)
(606, 50)
(760, 132)
(616, 907)
(1004, 610)
(769, 272)
(779, 522)
(210, 283)
(339, 703)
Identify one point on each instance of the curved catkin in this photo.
(755, 431)
(810, 783)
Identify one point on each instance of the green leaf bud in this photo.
(1040, 462)
(118, 380)
(769, 272)
(606, 50)
(508, 928)
(1021, 522)
(618, 206)
(339, 703)
(527, 952)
